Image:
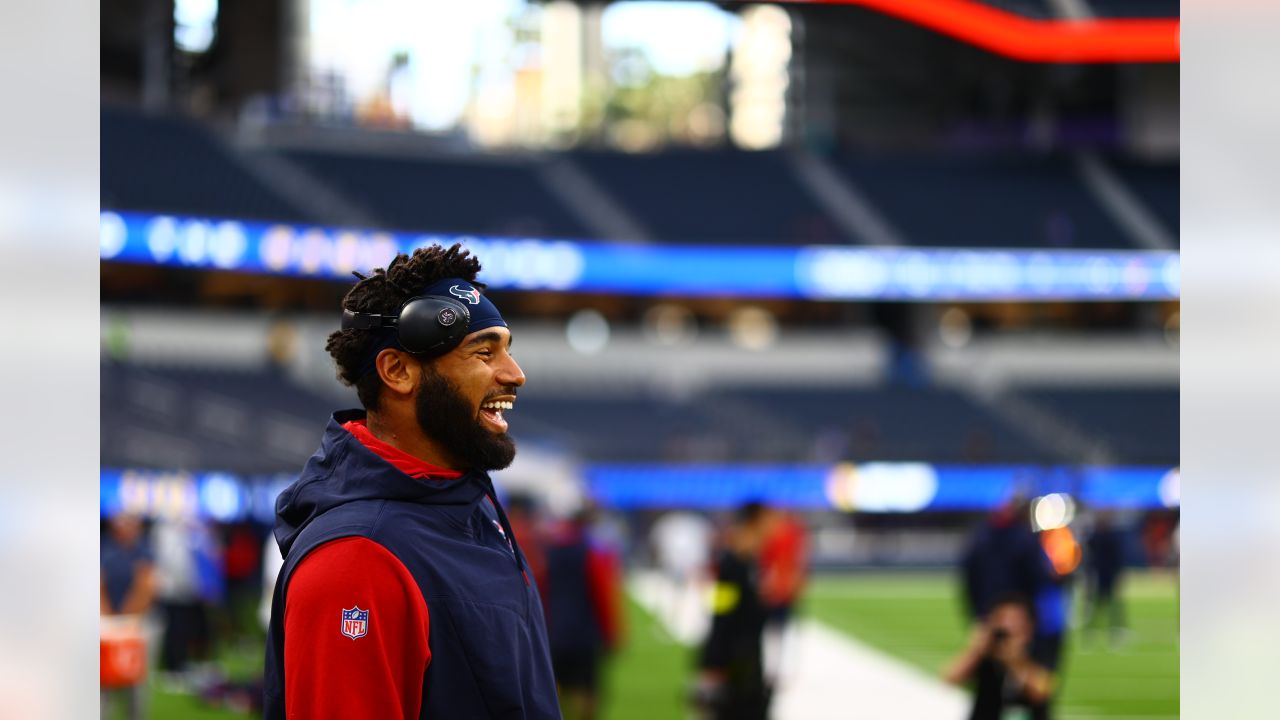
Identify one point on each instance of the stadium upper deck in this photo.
(971, 199)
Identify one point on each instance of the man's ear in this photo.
(399, 371)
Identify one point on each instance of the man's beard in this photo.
(446, 417)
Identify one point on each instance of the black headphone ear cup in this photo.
(432, 325)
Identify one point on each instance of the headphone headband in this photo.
(367, 321)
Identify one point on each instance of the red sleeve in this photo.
(604, 584)
(336, 667)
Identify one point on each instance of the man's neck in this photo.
(410, 440)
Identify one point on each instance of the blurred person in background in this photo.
(1053, 601)
(189, 579)
(731, 682)
(784, 569)
(404, 593)
(1003, 555)
(241, 559)
(1157, 538)
(1000, 664)
(583, 602)
(682, 546)
(128, 567)
(1004, 558)
(1105, 567)
(128, 586)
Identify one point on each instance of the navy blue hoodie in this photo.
(488, 641)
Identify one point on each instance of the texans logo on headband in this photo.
(426, 327)
(471, 295)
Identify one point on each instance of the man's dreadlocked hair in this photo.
(384, 292)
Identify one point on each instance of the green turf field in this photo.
(917, 618)
(648, 679)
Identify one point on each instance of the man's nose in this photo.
(511, 374)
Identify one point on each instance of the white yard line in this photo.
(832, 675)
(826, 674)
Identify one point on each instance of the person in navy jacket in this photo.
(403, 592)
(1015, 601)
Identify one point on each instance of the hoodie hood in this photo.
(343, 470)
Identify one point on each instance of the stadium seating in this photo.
(714, 197)
(188, 419)
(442, 195)
(170, 164)
(1156, 185)
(776, 425)
(262, 421)
(1138, 425)
(1135, 8)
(1044, 9)
(1036, 9)
(165, 163)
(621, 428)
(985, 200)
(927, 424)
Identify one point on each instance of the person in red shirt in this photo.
(583, 601)
(784, 563)
(784, 570)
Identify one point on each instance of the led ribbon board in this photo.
(801, 272)
(885, 487)
(1112, 40)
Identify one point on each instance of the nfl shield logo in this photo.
(355, 622)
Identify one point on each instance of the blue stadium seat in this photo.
(922, 424)
(170, 164)
(447, 196)
(190, 419)
(1157, 185)
(1036, 9)
(260, 421)
(739, 198)
(1136, 8)
(1000, 201)
(1139, 425)
(1044, 9)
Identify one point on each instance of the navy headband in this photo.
(484, 314)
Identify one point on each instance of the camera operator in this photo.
(1000, 660)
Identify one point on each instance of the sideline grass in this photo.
(648, 678)
(917, 617)
(241, 661)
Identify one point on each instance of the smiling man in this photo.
(403, 592)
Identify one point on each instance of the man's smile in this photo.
(491, 412)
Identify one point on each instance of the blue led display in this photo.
(869, 487)
(808, 272)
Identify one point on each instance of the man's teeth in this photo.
(497, 405)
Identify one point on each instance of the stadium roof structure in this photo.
(1030, 38)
